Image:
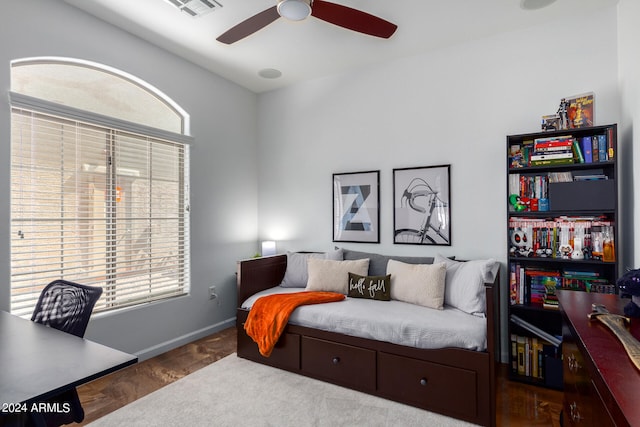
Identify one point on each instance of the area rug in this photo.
(236, 392)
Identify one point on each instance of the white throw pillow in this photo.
(296, 274)
(333, 276)
(421, 284)
(465, 281)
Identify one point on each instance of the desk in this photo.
(38, 362)
(601, 384)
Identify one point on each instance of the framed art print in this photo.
(422, 207)
(356, 207)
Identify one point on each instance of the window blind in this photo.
(96, 205)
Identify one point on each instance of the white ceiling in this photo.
(313, 48)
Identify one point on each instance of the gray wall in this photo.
(223, 168)
(452, 106)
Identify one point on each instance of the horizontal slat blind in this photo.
(98, 206)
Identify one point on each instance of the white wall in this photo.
(223, 167)
(629, 138)
(453, 106)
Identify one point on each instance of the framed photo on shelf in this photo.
(422, 207)
(356, 207)
(580, 110)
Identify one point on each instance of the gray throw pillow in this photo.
(297, 273)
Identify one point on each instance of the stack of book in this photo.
(586, 281)
(562, 150)
(558, 150)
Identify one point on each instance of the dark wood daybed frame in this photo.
(455, 382)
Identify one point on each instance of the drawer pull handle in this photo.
(573, 363)
(574, 412)
(335, 360)
(423, 381)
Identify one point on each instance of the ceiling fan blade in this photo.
(250, 26)
(352, 19)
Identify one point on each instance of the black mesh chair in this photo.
(65, 306)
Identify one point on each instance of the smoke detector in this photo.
(195, 8)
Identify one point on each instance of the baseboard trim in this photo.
(163, 347)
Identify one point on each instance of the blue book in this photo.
(586, 149)
(602, 148)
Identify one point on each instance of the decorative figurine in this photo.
(563, 113)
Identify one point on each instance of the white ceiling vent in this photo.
(196, 8)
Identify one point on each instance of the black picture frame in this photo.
(356, 207)
(422, 205)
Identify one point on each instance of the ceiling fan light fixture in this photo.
(535, 4)
(294, 10)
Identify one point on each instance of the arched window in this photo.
(99, 184)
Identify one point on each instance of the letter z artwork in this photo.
(356, 207)
(355, 217)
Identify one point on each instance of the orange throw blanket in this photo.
(270, 314)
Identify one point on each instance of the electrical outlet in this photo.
(212, 292)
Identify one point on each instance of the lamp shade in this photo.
(268, 248)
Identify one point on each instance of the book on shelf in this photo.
(585, 143)
(592, 177)
(602, 148)
(564, 176)
(583, 149)
(552, 162)
(610, 150)
(552, 156)
(595, 150)
(586, 281)
(535, 286)
(553, 143)
(577, 152)
(529, 356)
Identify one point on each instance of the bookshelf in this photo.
(562, 217)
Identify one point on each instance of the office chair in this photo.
(65, 306)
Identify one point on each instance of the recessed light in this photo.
(535, 4)
(270, 73)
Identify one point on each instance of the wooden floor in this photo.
(517, 404)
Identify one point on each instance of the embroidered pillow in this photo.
(370, 287)
(421, 284)
(333, 276)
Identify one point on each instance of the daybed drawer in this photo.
(428, 385)
(343, 364)
(285, 355)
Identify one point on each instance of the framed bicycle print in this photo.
(422, 207)
(356, 207)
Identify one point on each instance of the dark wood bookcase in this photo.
(562, 209)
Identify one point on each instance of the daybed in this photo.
(383, 347)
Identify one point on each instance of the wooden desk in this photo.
(37, 362)
(601, 385)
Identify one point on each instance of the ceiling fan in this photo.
(297, 10)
